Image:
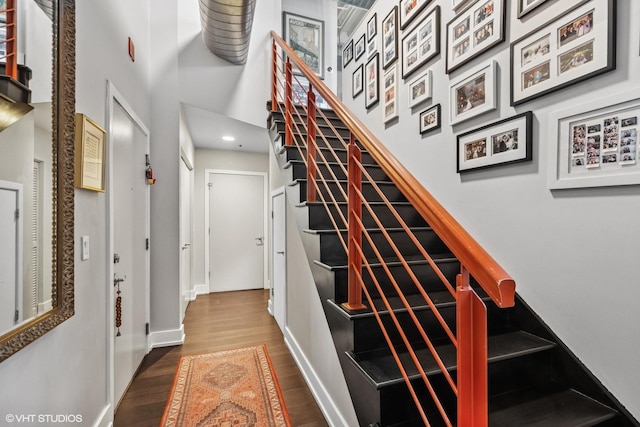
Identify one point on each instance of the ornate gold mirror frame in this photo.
(63, 107)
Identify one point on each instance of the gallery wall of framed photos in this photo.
(546, 77)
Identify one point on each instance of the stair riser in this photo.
(368, 335)
(424, 273)
(370, 193)
(277, 119)
(292, 152)
(319, 219)
(300, 172)
(331, 249)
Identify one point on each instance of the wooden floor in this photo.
(214, 322)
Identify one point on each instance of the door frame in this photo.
(272, 299)
(191, 295)
(265, 226)
(113, 97)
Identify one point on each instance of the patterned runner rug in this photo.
(228, 388)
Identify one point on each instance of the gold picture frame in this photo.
(90, 154)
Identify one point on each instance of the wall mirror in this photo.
(36, 178)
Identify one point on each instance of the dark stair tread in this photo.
(369, 229)
(411, 260)
(539, 407)
(380, 367)
(417, 303)
(291, 162)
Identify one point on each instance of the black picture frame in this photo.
(408, 15)
(360, 47)
(524, 10)
(390, 38)
(499, 143)
(347, 53)
(426, 45)
(556, 68)
(357, 81)
(371, 77)
(473, 31)
(430, 119)
(372, 27)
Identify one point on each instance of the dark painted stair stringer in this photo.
(534, 380)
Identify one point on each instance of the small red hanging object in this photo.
(149, 175)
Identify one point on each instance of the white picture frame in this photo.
(474, 93)
(419, 89)
(390, 94)
(611, 131)
(371, 87)
(552, 57)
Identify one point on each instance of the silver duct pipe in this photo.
(226, 28)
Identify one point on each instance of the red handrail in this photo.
(470, 339)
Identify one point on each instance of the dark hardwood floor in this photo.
(214, 322)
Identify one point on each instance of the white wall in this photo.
(236, 91)
(326, 11)
(223, 160)
(64, 372)
(569, 251)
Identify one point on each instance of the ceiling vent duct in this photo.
(226, 28)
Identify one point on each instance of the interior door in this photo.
(278, 257)
(236, 240)
(130, 254)
(10, 260)
(185, 232)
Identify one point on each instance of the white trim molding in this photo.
(167, 338)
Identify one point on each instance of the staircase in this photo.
(534, 380)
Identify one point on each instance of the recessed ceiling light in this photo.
(228, 138)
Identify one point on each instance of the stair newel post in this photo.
(288, 105)
(274, 76)
(354, 232)
(311, 145)
(471, 319)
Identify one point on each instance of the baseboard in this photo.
(270, 306)
(319, 391)
(105, 419)
(200, 290)
(166, 338)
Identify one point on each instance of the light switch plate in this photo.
(84, 248)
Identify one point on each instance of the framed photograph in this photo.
(526, 6)
(390, 91)
(360, 47)
(372, 46)
(503, 142)
(597, 143)
(409, 9)
(572, 48)
(300, 89)
(430, 119)
(306, 38)
(420, 89)
(372, 27)
(357, 81)
(371, 81)
(475, 30)
(422, 43)
(347, 54)
(473, 94)
(390, 38)
(458, 4)
(90, 154)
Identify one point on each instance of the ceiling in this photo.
(207, 128)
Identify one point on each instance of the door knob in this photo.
(259, 241)
(186, 246)
(280, 252)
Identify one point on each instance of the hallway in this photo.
(214, 322)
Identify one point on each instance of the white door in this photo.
(185, 232)
(130, 213)
(10, 259)
(279, 259)
(236, 240)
